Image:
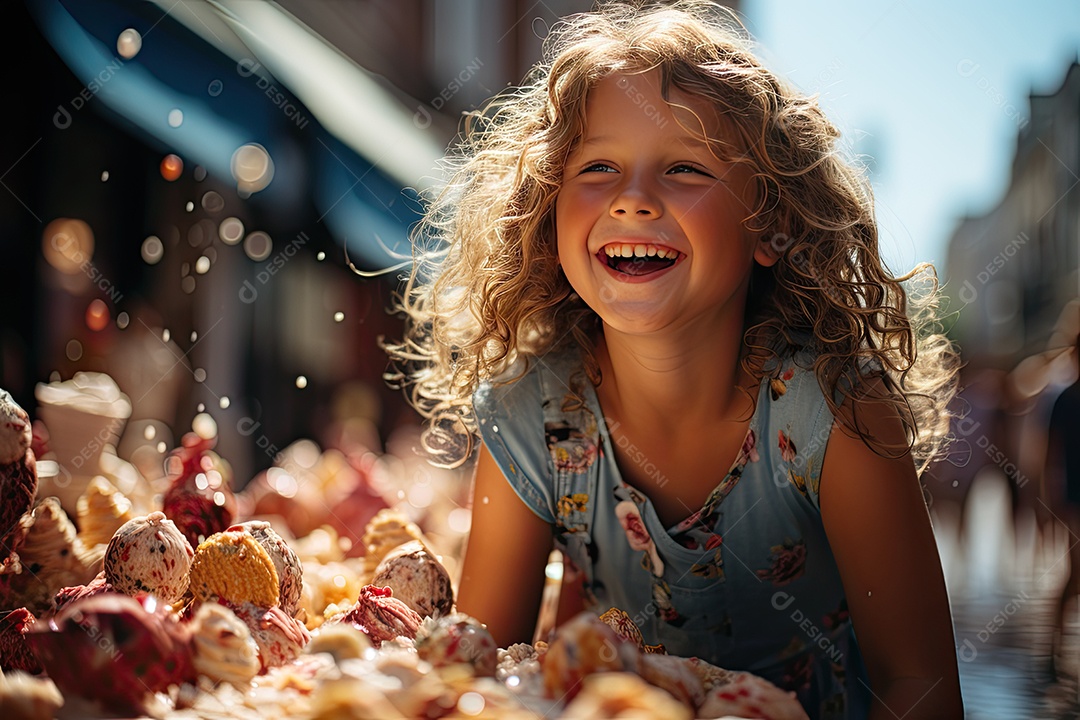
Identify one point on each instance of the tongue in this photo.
(640, 266)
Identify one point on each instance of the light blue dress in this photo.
(748, 582)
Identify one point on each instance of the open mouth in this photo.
(637, 259)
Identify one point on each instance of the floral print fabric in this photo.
(746, 581)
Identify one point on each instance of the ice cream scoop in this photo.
(199, 499)
(222, 645)
(675, 675)
(280, 638)
(15, 654)
(386, 531)
(149, 555)
(102, 510)
(621, 694)
(24, 697)
(381, 616)
(233, 567)
(341, 640)
(18, 476)
(458, 638)
(583, 645)
(625, 626)
(67, 595)
(290, 571)
(748, 695)
(417, 578)
(51, 557)
(114, 650)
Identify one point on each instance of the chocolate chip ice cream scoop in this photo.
(149, 555)
(417, 578)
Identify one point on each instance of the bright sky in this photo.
(934, 91)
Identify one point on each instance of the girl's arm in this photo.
(880, 532)
(502, 577)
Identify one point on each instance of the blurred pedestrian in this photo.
(1063, 470)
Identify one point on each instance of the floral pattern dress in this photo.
(746, 582)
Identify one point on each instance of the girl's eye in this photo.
(597, 167)
(684, 168)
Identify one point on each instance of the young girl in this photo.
(654, 291)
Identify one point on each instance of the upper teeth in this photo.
(627, 250)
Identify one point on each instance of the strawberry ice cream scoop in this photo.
(68, 595)
(15, 654)
(149, 555)
(199, 499)
(381, 616)
(280, 637)
(748, 695)
(290, 571)
(114, 650)
(417, 578)
(18, 475)
(458, 639)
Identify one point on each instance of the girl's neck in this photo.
(675, 377)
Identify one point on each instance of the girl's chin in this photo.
(633, 318)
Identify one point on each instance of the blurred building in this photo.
(1014, 268)
(1011, 272)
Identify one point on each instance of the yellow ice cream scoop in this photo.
(232, 566)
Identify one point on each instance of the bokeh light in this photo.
(97, 315)
(67, 244)
(204, 426)
(213, 202)
(231, 231)
(171, 167)
(152, 250)
(252, 167)
(257, 245)
(129, 43)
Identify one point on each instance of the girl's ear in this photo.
(769, 248)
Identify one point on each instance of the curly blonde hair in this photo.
(486, 289)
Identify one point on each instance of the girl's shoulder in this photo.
(520, 394)
(518, 417)
(793, 392)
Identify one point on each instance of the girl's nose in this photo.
(635, 201)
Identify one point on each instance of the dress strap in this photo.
(572, 435)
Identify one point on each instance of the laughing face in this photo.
(649, 220)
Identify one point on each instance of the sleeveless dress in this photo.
(746, 582)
